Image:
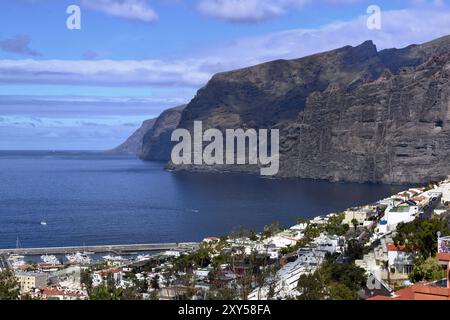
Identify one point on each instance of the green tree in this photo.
(339, 291)
(420, 236)
(9, 286)
(332, 280)
(311, 287)
(354, 250)
(427, 270)
(86, 279)
(355, 224)
(131, 293)
(271, 229)
(100, 293)
(252, 235)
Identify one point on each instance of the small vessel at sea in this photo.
(43, 223)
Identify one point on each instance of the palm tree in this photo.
(355, 223)
(386, 267)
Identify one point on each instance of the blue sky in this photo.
(90, 88)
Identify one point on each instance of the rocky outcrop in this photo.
(351, 114)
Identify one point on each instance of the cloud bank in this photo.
(399, 28)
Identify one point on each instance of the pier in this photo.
(121, 248)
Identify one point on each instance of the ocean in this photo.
(89, 198)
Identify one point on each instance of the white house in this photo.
(395, 215)
(202, 273)
(327, 243)
(399, 259)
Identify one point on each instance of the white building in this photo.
(202, 273)
(395, 215)
(360, 215)
(400, 261)
(285, 281)
(327, 243)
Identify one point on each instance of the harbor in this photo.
(117, 249)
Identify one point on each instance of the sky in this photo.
(90, 88)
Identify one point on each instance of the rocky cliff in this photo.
(133, 145)
(351, 114)
(156, 143)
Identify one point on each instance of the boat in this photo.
(50, 259)
(16, 260)
(112, 258)
(143, 257)
(78, 258)
(43, 223)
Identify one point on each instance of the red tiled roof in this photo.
(106, 272)
(393, 247)
(403, 294)
(418, 199)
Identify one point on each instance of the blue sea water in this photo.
(90, 198)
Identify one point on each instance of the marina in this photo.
(124, 248)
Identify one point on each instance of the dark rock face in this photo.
(133, 145)
(156, 143)
(394, 129)
(351, 114)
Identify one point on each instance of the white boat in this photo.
(143, 257)
(50, 259)
(43, 223)
(112, 258)
(16, 260)
(78, 258)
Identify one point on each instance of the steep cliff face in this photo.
(156, 143)
(394, 129)
(351, 114)
(133, 145)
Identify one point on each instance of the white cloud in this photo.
(399, 28)
(128, 9)
(104, 72)
(254, 10)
